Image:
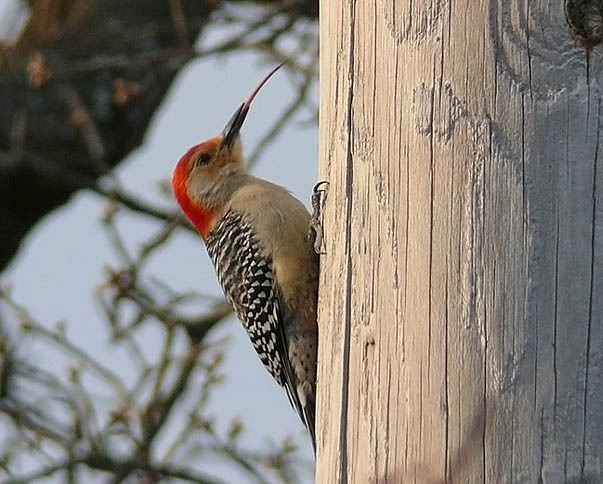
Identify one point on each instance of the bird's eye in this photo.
(203, 159)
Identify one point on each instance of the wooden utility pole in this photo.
(461, 309)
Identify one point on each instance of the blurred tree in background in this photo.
(79, 83)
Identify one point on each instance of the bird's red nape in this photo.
(200, 216)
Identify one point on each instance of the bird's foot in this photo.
(319, 195)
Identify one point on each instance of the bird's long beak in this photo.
(233, 127)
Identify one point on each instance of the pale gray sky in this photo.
(62, 259)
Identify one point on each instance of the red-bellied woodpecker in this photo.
(258, 237)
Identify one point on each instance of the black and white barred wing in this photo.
(247, 280)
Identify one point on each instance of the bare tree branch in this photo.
(78, 91)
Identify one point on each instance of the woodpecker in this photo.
(258, 237)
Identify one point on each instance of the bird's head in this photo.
(208, 173)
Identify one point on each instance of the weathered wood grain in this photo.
(461, 309)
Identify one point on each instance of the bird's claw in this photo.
(319, 195)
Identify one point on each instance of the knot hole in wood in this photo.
(585, 19)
